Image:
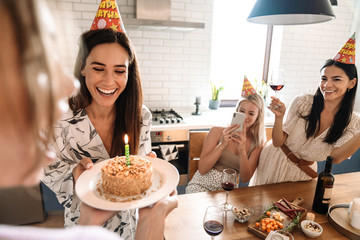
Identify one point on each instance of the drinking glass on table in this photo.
(228, 182)
(213, 221)
(277, 81)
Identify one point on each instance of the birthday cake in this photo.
(124, 180)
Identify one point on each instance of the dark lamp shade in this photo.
(291, 12)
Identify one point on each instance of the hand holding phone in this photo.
(238, 118)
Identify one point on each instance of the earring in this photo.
(348, 90)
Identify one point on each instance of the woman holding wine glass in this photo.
(226, 148)
(316, 126)
(213, 221)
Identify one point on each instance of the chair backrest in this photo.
(268, 133)
(195, 147)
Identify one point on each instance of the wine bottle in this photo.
(324, 188)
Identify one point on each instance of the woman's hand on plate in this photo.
(84, 164)
(151, 222)
(94, 216)
(152, 154)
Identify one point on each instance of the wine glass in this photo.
(228, 182)
(277, 81)
(213, 221)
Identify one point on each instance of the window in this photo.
(238, 47)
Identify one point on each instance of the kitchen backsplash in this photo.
(175, 65)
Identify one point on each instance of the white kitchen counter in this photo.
(207, 119)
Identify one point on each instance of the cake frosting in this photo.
(122, 180)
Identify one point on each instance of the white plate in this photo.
(166, 178)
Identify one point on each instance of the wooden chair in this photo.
(195, 147)
(268, 133)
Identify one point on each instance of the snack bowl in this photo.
(279, 235)
(243, 213)
(311, 229)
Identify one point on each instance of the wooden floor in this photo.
(53, 220)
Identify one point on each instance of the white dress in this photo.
(274, 166)
(76, 138)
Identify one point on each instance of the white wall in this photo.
(175, 65)
(306, 47)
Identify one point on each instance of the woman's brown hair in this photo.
(128, 105)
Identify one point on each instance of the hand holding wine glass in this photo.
(277, 107)
(213, 221)
(228, 182)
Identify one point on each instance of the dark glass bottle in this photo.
(324, 188)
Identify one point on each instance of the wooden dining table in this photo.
(186, 221)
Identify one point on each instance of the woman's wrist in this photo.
(242, 154)
(221, 146)
(279, 118)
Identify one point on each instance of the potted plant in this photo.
(261, 88)
(215, 90)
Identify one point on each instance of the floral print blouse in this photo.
(76, 138)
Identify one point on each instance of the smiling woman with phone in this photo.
(226, 147)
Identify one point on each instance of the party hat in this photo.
(347, 52)
(108, 17)
(247, 88)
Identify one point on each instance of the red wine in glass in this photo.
(213, 228)
(277, 81)
(276, 87)
(228, 182)
(228, 186)
(213, 222)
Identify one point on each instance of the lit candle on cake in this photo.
(127, 150)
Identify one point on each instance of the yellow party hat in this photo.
(247, 88)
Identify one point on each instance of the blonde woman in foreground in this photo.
(34, 89)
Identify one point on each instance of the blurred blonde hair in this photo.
(34, 69)
(257, 130)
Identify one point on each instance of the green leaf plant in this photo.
(215, 90)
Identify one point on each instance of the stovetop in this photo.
(166, 117)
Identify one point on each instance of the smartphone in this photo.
(238, 118)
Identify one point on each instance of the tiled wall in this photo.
(306, 47)
(175, 65)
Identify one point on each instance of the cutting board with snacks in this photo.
(280, 215)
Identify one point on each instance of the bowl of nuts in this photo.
(311, 229)
(242, 214)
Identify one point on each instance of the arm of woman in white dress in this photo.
(214, 144)
(346, 150)
(247, 164)
(279, 109)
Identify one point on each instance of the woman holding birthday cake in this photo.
(108, 106)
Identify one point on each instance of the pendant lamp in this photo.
(291, 12)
